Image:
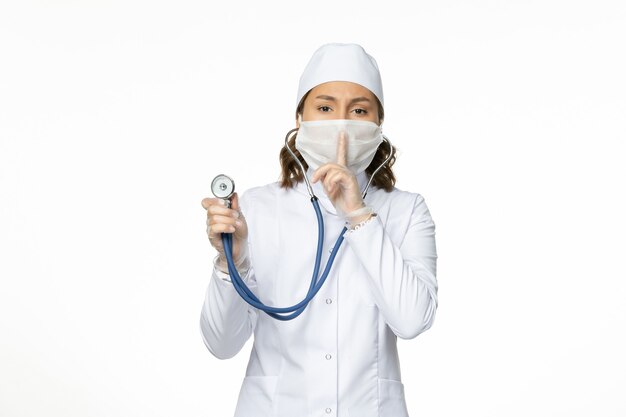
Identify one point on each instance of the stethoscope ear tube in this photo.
(297, 309)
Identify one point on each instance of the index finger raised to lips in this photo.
(342, 149)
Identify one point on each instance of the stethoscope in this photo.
(223, 187)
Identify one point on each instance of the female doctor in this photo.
(339, 356)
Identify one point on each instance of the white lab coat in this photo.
(339, 357)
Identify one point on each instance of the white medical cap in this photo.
(341, 62)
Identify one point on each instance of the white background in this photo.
(509, 117)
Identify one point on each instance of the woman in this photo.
(339, 356)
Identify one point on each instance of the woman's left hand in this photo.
(340, 183)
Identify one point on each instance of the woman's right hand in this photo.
(221, 219)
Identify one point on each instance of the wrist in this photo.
(353, 221)
(221, 264)
(359, 213)
(358, 224)
(242, 264)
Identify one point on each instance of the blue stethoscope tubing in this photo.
(315, 286)
(297, 309)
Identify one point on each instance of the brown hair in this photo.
(292, 174)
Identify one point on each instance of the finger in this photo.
(333, 179)
(216, 229)
(215, 239)
(206, 202)
(217, 219)
(342, 149)
(225, 211)
(322, 171)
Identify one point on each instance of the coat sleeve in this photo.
(402, 278)
(226, 319)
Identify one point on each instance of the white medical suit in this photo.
(339, 357)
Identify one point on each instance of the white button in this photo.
(328, 356)
(331, 249)
(328, 410)
(328, 301)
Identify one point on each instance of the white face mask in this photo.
(317, 142)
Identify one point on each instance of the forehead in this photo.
(340, 89)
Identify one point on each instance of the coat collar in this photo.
(362, 178)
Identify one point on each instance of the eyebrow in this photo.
(354, 100)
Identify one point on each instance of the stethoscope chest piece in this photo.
(223, 187)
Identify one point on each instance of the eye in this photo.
(323, 107)
(361, 111)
